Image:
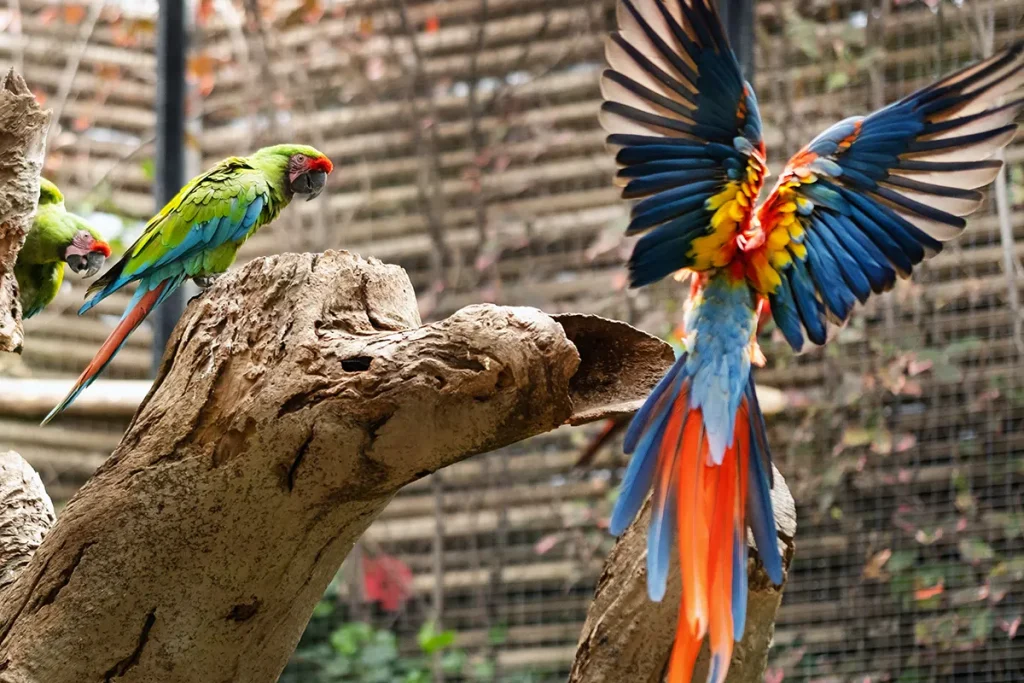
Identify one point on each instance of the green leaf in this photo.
(975, 550)
(483, 670)
(439, 642)
(431, 640)
(901, 560)
(324, 608)
(836, 80)
(381, 653)
(148, 169)
(453, 661)
(337, 668)
(981, 625)
(348, 639)
(1011, 522)
(497, 635)
(911, 675)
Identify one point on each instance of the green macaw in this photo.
(57, 237)
(197, 234)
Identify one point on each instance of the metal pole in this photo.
(738, 18)
(171, 48)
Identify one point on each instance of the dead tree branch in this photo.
(628, 638)
(296, 396)
(23, 125)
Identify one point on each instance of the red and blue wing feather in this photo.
(872, 197)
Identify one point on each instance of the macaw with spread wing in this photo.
(863, 203)
(197, 234)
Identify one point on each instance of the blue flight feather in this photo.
(785, 314)
(851, 270)
(806, 301)
(826, 274)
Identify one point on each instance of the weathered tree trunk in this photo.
(23, 126)
(628, 638)
(295, 398)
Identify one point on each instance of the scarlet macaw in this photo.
(57, 237)
(863, 202)
(197, 234)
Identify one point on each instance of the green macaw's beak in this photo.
(86, 264)
(310, 184)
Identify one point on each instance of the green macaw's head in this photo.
(86, 254)
(48, 193)
(77, 244)
(304, 169)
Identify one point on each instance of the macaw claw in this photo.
(204, 281)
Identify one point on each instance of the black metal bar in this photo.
(171, 48)
(738, 18)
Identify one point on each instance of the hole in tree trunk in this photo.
(357, 364)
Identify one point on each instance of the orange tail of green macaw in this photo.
(136, 312)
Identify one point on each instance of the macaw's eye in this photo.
(299, 158)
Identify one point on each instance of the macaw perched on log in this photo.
(57, 237)
(197, 234)
(861, 204)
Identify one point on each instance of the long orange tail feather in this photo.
(132, 319)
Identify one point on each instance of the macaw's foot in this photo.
(204, 281)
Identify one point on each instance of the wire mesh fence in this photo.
(466, 138)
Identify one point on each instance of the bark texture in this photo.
(626, 637)
(23, 125)
(296, 396)
(26, 514)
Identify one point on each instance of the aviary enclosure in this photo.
(468, 152)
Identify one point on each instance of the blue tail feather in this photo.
(760, 515)
(642, 440)
(739, 583)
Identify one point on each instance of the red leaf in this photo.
(930, 592)
(545, 544)
(386, 580)
(366, 26)
(73, 14)
(433, 24)
(204, 12)
(47, 15)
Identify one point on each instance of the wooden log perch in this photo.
(23, 125)
(26, 514)
(626, 637)
(297, 395)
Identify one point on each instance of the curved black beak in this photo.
(95, 261)
(310, 184)
(87, 265)
(77, 262)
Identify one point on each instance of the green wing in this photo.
(223, 206)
